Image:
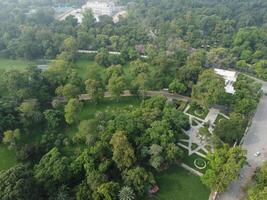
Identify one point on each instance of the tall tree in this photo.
(123, 152)
(126, 193)
(231, 130)
(18, 183)
(209, 89)
(224, 166)
(139, 179)
(72, 111)
(95, 89)
(52, 170)
(116, 85)
(11, 137)
(30, 113)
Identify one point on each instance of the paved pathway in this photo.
(255, 140)
(192, 133)
(127, 93)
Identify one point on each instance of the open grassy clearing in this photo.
(9, 64)
(7, 158)
(178, 184)
(89, 109)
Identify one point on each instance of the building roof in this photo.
(229, 77)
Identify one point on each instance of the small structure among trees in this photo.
(230, 78)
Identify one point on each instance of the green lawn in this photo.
(89, 109)
(83, 66)
(8, 64)
(199, 112)
(178, 184)
(7, 158)
(189, 160)
(219, 118)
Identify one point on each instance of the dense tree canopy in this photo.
(76, 152)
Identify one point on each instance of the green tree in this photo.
(54, 118)
(123, 152)
(209, 89)
(52, 170)
(72, 110)
(87, 131)
(177, 87)
(116, 85)
(224, 166)
(220, 58)
(95, 89)
(106, 191)
(70, 47)
(156, 159)
(102, 57)
(17, 183)
(68, 91)
(258, 188)
(30, 113)
(138, 179)
(11, 137)
(260, 68)
(232, 130)
(126, 193)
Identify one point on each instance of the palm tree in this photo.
(126, 193)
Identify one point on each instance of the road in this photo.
(255, 140)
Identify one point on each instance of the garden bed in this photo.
(198, 111)
(189, 160)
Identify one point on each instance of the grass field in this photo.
(189, 160)
(7, 158)
(8, 64)
(83, 66)
(89, 109)
(178, 184)
(219, 118)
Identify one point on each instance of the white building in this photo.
(100, 7)
(229, 77)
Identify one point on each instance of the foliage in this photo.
(231, 130)
(17, 183)
(52, 170)
(209, 88)
(224, 166)
(139, 179)
(123, 152)
(126, 193)
(116, 86)
(11, 137)
(95, 89)
(257, 190)
(71, 110)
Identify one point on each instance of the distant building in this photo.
(229, 77)
(98, 8)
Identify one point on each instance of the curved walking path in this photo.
(127, 93)
(255, 140)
